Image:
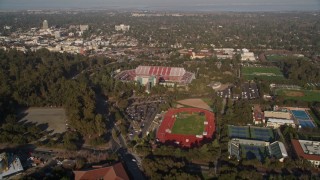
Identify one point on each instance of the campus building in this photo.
(275, 119)
(122, 27)
(276, 123)
(115, 172)
(246, 55)
(257, 114)
(309, 150)
(224, 53)
(84, 27)
(9, 165)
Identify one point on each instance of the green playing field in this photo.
(189, 124)
(267, 73)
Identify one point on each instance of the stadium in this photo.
(157, 74)
(186, 127)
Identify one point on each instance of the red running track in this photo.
(182, 139)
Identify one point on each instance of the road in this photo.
(131, 160)
(131, 163)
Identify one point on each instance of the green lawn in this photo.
(279, 57)
(275, 57)
(268, 73)
(189, 124)
(302, 95)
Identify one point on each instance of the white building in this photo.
(9, 165)
(224, 53)
(45, 24)
(122, 27)
(309, 150)
(276, 123)
(246, 55)
(57, 34)
(84, 27)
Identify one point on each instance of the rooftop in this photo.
(115, 172)
(9, 165)
(307, 149)
(277, 114)
(284, 121)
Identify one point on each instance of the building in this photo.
(276, 123)
(277, 114)
(224, 53)
(122, 27)
(45, 24)
(84, 27)
(278, 150)
(152, 75)
(257, 114)
(115, 172)
(256, 149)
(57, 34)
(9, 165)
(309, 150)
(246, 55)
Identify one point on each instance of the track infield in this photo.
(189, 123)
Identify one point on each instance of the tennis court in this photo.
(239, 132)
(306, 124)
(299, 114)
(253, 152)
(263, 134)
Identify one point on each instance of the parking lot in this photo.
(142, 112)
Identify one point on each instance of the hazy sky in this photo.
(183, 5)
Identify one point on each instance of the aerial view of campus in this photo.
(150, 89)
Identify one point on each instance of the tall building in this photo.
(57, 34)
(45, 24)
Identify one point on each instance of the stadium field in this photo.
(267, 73)
(189, 123)
(300, 95)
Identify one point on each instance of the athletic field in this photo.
(186, 127)
(265, 73)
(189, 123)
(301, 95)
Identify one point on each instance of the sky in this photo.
(175, 5)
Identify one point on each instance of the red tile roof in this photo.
(299, 151)
(115, 172)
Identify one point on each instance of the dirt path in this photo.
(199, 103)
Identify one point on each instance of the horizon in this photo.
(164, 5)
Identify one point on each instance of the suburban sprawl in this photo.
(159, 95)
